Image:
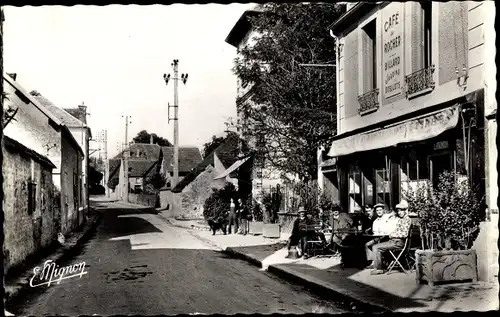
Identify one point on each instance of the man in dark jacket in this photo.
(299, 234)
(244, 215)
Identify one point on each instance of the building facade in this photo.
(264, 176)
(413, 100)
(40, 130)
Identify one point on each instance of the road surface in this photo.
(139, 264)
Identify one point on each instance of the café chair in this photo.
(398, 255)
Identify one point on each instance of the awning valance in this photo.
(417, 129)
(232, 168)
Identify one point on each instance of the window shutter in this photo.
(350, 75)
(417, 37)
(367, 62)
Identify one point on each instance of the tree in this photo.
(209, 147)
(145, 137)
(97, 163)
(154, 183)
(295, 112)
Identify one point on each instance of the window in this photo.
(427, 45)
(422, 35)
(414, 171)
(369, 56)
(355, 197)
(31, 197)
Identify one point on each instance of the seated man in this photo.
(396, 237)
(338, 222)
(382, 226)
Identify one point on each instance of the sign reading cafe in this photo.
(392, 51)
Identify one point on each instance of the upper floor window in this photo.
(420, 78)
(369, 44)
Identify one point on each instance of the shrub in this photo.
(218, 203)
(449, 214)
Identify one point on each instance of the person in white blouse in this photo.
(382, 226)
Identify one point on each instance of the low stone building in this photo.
(31, 205)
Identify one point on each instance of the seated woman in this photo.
(383, 224)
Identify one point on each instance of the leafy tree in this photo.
(112, 183)
(209, 147)
(97, 163)
(218, 203)
(154, 182)
(296, 105)
(145, 137)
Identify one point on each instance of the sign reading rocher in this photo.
(392, 52)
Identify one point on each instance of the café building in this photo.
(412, 85)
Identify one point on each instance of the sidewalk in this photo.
(221, 241)
(396, 292)
(15, 286)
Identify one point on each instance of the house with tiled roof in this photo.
(37, 128)
(75, 120)
(189, 158)
(186, 199)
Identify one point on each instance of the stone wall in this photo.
(27, 231)
(143, 199)
(194, 195)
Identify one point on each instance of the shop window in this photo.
(414, 171)
(355, 197)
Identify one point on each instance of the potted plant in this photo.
(449, 223)
(271, 203)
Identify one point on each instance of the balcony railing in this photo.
(420, 82)
(368, 102)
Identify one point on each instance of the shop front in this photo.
(379, 165)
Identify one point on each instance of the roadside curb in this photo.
(316, 286)
(180, 226)
(22, 282)
(243, 256)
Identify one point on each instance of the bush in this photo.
(449, 213)
(219, 202)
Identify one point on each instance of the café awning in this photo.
(232, 168)
(413, 130)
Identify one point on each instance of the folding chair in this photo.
(315, 245)
(410, 256)
(400, 254)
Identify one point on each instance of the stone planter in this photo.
(271, 230)
(447, 265)
(255, 227)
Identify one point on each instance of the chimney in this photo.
(83, 113)
(151, 139)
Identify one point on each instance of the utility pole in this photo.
(184, 77)
(125, 159)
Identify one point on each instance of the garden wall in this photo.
(143, 199)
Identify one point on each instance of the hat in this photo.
(379, 205)
(302, 209)
(402, 205)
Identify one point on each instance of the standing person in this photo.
(244, 215)
(396, 237)
(298, 238)
(232, 217)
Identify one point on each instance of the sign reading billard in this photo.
(392, 52)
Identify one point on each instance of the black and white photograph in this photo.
(249, 158)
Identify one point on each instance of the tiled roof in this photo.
(77, 113)
(14, 146)
(140, 168)
(66, 118)
(149, 152)
(227, 152)
(189, 158)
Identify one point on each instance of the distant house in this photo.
(189, 158)
(38, 129)
(188, 196)
(75, 120)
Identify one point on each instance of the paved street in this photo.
(139, 264)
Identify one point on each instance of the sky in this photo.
(113, 59)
